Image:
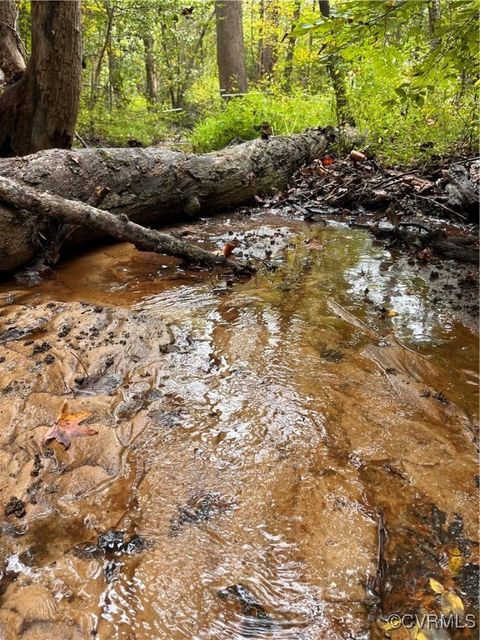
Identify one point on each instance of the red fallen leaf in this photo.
(229, 247)
(69, 426)
(327, 161)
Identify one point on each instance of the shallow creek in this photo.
(284, 459)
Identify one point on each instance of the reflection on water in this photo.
(251, 443)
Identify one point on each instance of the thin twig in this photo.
(455, 213)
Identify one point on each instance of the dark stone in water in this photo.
(199, 508)
(112, 569)
(249, 605)
(331, 355)
(136, 544)
(111, 541)
(469, 582)
(15, 507)
(87, 551)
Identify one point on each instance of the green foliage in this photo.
(241, 118)
(117, 126)
(411, 82)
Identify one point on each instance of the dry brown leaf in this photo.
(69, 426)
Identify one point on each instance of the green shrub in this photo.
(241, 118)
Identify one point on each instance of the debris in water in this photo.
(199, 508)
(15, 507)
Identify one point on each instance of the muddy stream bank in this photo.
(290, 457)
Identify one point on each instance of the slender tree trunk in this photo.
(335, 72)
(230, 47)
(39, 111)
(151, 83)
(190, 64)
(115, 91)
(307, 72)
(114, 86)
(98, 67)
(434, 14)
(11, 59)
(267, 55)
(291, 49)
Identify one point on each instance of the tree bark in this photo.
(230, 47)
(97, 69)
(39, 111)
(149, 185)
(151, 84)
(11, 59)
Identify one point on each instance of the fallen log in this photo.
(150, 186)
(73, 212)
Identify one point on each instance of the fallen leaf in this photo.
(455, 560)
(69, 426)
(436, 586)
(455, 564)
(391, 313)
(229, 247)
(327, 161)
(389, 624)
(451, 604)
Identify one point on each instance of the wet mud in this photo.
(289, 457)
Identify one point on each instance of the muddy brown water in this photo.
(252, 439)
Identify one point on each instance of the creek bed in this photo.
(255, 440)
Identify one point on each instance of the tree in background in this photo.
(230, 47)
(267, 42)
(38, 108)
(337, 76)
(151, 82)
(291, 42)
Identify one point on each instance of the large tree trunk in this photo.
(230, 47)
(11, 59)
(39, 111)
(148, 185)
